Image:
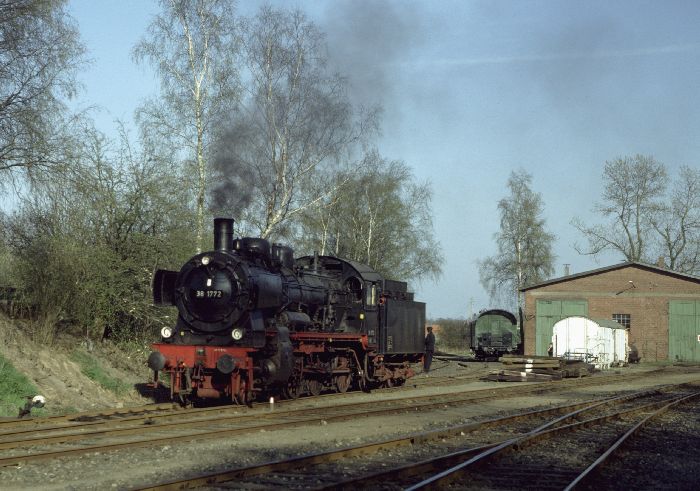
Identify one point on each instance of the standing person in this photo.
(429, 349)
(550, 350)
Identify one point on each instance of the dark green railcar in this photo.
(493, 333)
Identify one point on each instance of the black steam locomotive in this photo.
(254, 322)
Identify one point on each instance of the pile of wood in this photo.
(518, 368)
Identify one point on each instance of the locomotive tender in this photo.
(255, 322)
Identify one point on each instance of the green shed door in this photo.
(548, 313)
(684, 330)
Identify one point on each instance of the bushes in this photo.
(82, 248)
(69, 282)
(14, 388)
(44, 270)
(452, 335)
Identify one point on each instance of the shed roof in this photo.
(609, 323)
(648, 267)
(601, 322)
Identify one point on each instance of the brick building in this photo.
(660, 308)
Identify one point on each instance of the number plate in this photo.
(209, 294)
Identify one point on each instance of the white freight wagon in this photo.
(600, 342)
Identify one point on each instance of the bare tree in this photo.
(633, 189)
(193, 45)
(677, 223)
(296, 117)
(40, 51)
(525, 254)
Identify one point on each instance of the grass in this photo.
(14, 389)
(91, 368)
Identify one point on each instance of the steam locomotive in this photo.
(254, 322)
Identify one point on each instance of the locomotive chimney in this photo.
(223, 234)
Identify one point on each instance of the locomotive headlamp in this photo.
(166, 332)
(205, 260)
(237, 334)
(362, 316)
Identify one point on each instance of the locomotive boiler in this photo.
(255, 322)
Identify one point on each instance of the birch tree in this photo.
(297, 121)
(525, 254)
(192, 44)
(40, 52)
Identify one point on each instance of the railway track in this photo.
(507, 451)
(566, 454)
(72, 418)
(117, 414)
(151, 454)
(25, 441)
(153, 409)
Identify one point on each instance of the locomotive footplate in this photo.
(310, 339)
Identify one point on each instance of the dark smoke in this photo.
(366, 39)
(233, 179)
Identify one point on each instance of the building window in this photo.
(623, 319)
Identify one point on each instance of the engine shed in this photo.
(659, 307)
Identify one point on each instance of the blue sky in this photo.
(472, 90)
